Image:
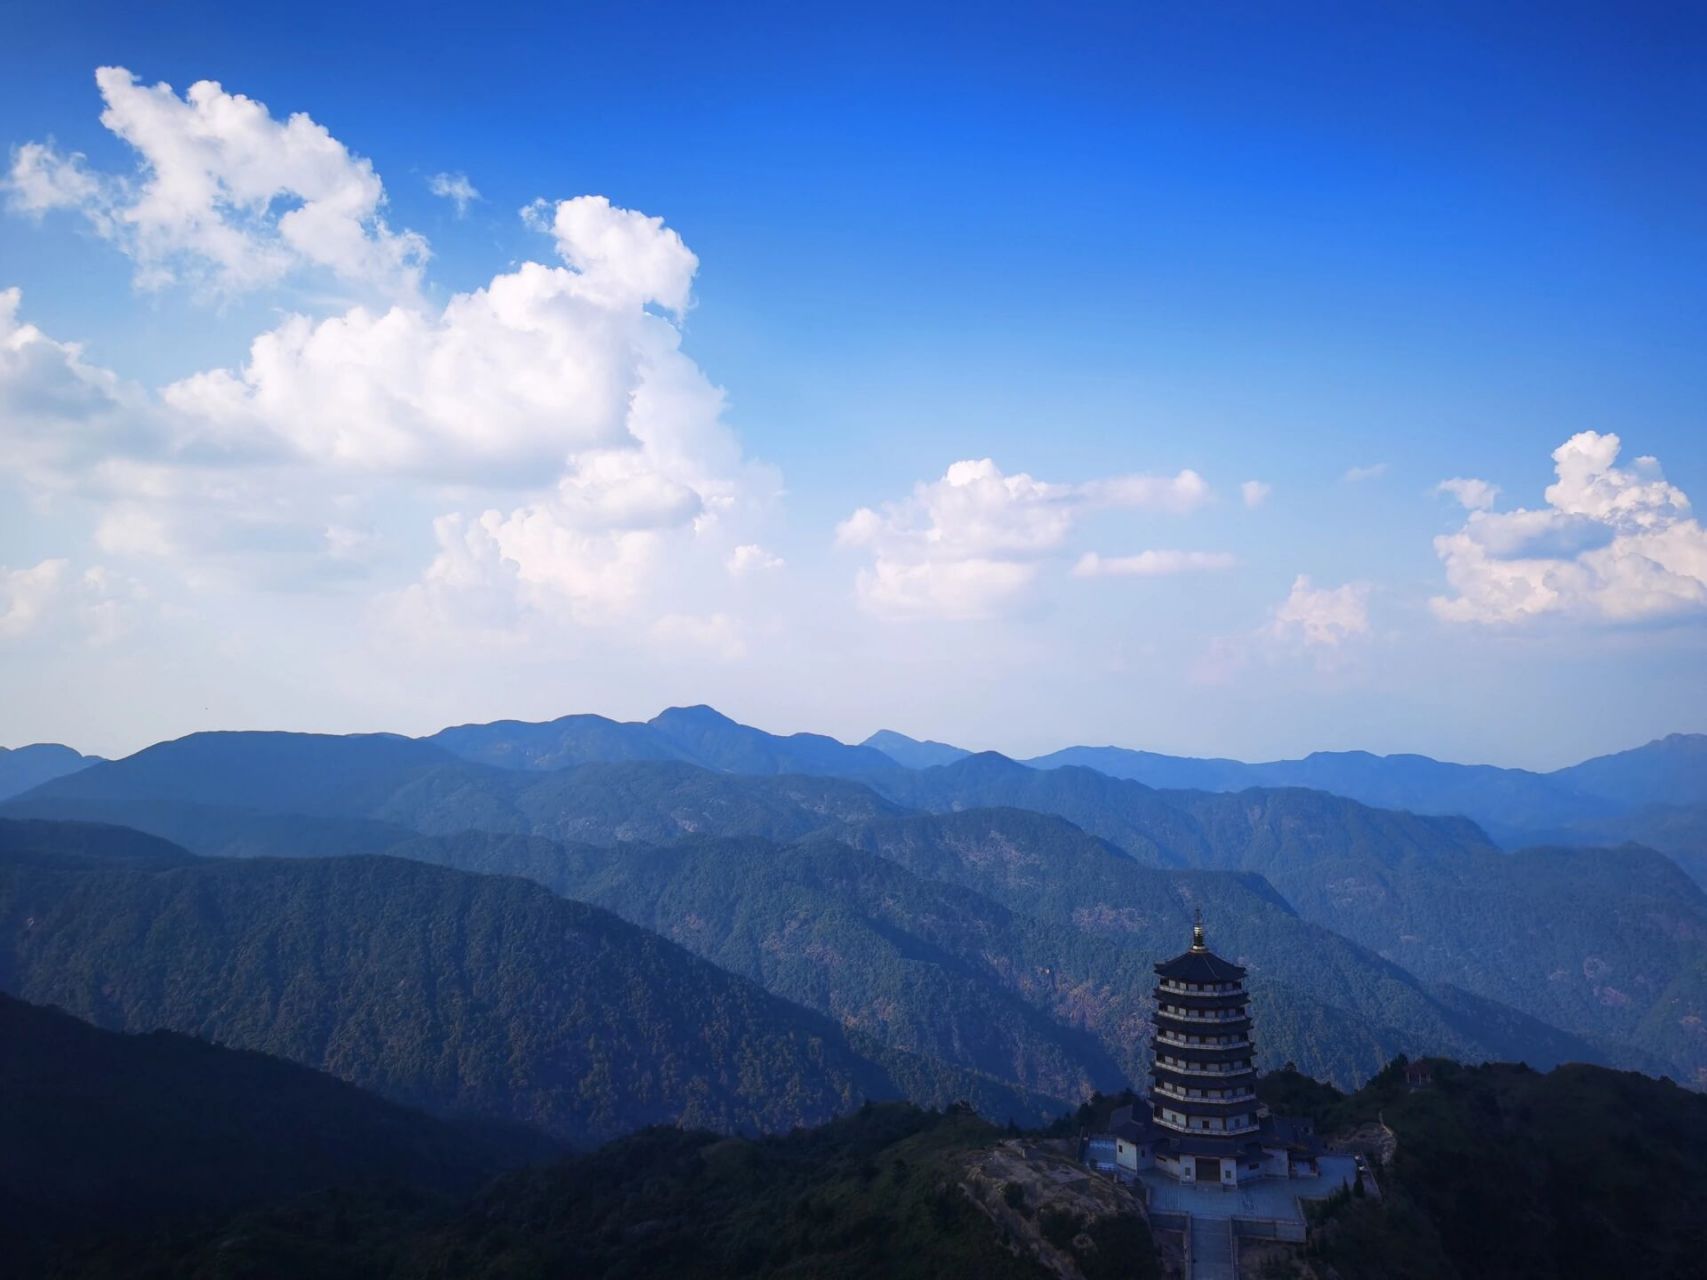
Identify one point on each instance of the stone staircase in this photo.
(1211, 1249)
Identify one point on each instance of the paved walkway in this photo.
(1267, 1198)
(1211, 1249)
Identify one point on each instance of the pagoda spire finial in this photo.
(1197, 942)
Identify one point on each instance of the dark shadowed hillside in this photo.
(101, 1131)
(1502, 1173)
(876, 1194)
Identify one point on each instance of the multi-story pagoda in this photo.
(1205, 1073)
(1203, 1122)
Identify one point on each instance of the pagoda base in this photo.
(1281, 1147)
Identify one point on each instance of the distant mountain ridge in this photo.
(24, 767)
(696, 735)
(1302, 838)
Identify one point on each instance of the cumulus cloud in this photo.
(1614, 544)
(1152, 564)
(750, 558)
(223, 194)
(58, 411)
(625, 257)
(97, 601)
(1322, 617)
(575, 452)
(454, 187)
(1357, 475)
(1255, 492)
(1472, 494)
(969, 545)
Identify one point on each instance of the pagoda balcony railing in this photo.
(1174, 987)
(1213, 999)
(1163, 1090)
(1194, 1130)
(1238, 1014)
(1245, 1066)
(1184, 1042)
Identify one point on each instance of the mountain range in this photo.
(1377, 930)
(458, 993)
(1654, 794)
(468, 951)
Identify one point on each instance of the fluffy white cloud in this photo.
(1357, 475)
(749, 558)
(57, 411)
(454, 187)
(224, 194)
(26, 595)
(97, 601)
(624, 256)
(1472, 494)
(1613, 543)
(1255, 492)
(564, 385)
(1152, 564)
(1322, 617)
(969, 545)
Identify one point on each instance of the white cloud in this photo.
(1612, 544)
(1357, 475)
(224, 194)
(750, 558)
(1472, 494)
(97, 602)
(1255, 492)
(565, 385)
(454, 187)
(42, 180)
(26, 595)
(688, 636)
(1152, 564)
(623, 256)
(968, 546)
(57, 411)
(498, 387)
(1322, 617)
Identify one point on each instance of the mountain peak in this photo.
(698, 714)
(913, 753)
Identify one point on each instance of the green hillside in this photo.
(454, 992)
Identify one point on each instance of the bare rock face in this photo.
(1050, 1208)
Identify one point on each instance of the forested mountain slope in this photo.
(1502, 1173)
(876, 1194)
(455, 992)
(1373, 873)
(1044, 1002)
(101, 1131)
(1604, 944)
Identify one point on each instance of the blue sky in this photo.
(1133, 257)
